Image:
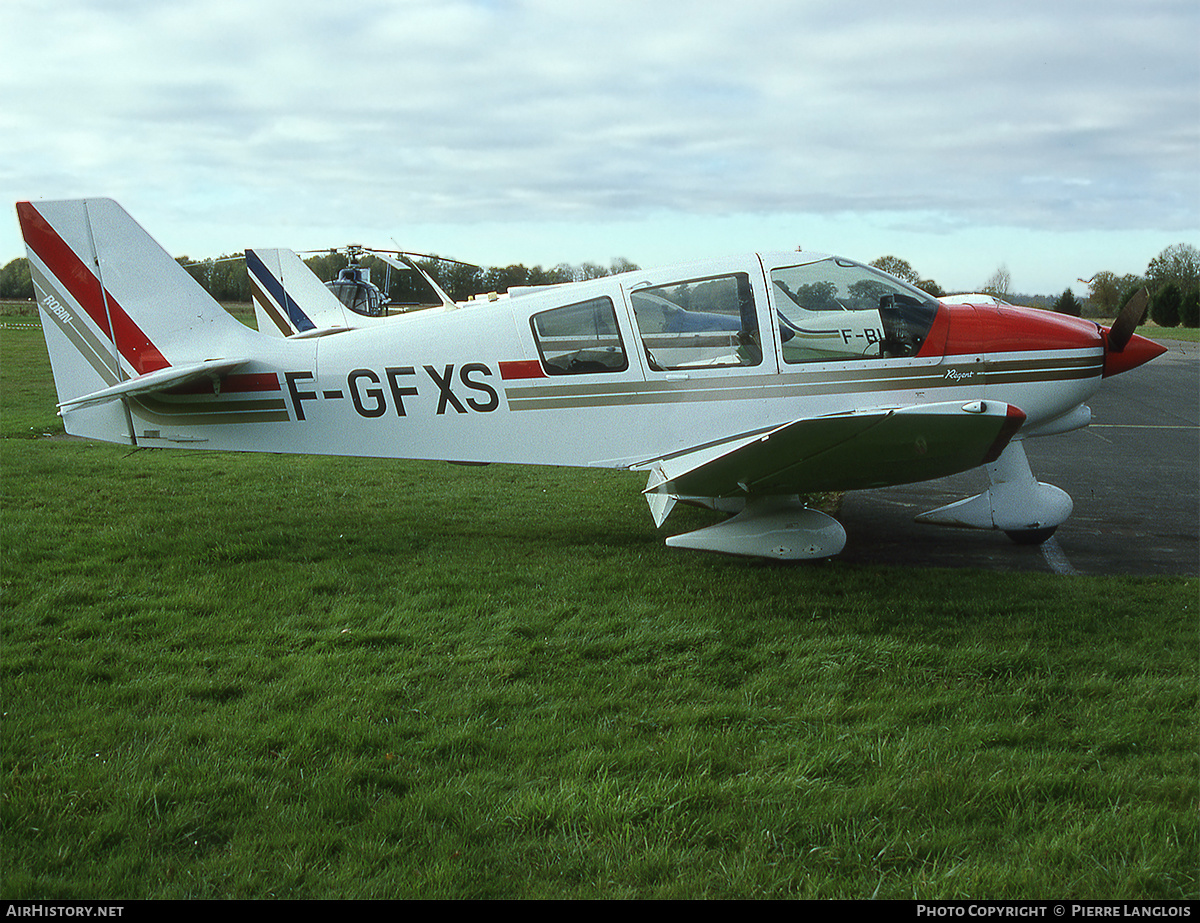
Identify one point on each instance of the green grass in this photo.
(269, 676)
(1191, 334)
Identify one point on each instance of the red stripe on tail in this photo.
(84, 287)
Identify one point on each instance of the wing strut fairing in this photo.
(770, 527)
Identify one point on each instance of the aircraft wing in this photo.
(844, 451)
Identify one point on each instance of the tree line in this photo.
(1172, 278)
(225, 277)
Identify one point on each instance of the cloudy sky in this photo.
(1055, 138)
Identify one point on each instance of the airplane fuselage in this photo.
(477, 384)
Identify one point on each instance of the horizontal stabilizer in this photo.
(320, 332)
(163, 379)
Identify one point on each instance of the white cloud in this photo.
(232, 117)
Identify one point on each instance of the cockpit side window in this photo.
(701, 323)
(835, 309)
(580, 339)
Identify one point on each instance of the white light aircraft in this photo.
(737, 384)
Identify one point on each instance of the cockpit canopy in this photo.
(714, 316)
(833, 308)
(353, 288)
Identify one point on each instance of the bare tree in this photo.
(999, 282)
(1179, 263)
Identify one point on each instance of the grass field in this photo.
(279, 677)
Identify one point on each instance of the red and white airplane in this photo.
(736, 383)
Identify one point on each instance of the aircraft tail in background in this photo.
(289, 299)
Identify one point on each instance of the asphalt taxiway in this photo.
(1134, 476)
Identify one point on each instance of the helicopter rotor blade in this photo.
(390, 260)
(429, 256)
(376, 251)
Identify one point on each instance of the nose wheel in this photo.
(1030, 536)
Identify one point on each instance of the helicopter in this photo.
(354, 289)
(350, 300)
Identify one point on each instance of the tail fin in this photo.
(119, 315)
(288, 298)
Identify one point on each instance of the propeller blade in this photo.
(1127, 321)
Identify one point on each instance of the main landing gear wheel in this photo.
(1030, 536)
